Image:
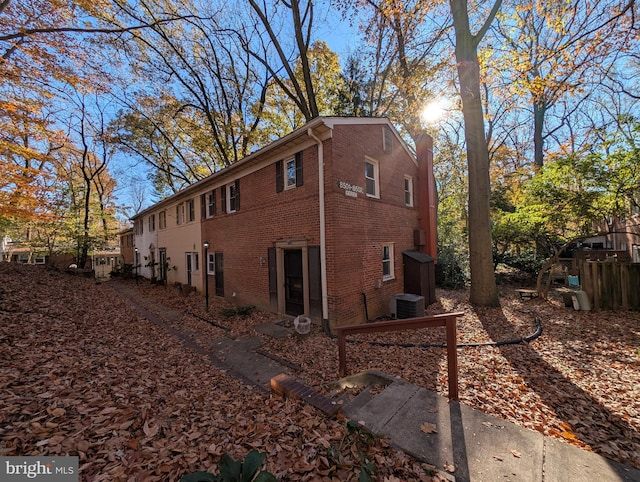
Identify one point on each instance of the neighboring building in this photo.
(103, 262)
(623, 236)
(126, 245)
(315, 223)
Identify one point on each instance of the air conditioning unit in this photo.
(406, 305)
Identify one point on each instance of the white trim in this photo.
(409, 191)
(391, 275)
(375, 178)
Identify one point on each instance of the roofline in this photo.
(329, 122)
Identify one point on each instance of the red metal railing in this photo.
(448, 320)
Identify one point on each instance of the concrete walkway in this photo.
(462, 443)
(473, 446)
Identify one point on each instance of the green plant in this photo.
(357, 441)
(235, 470)
(246, 310)
(240, 311)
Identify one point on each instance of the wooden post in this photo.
(452, 358)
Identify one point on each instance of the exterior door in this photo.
(219, 274)
(293, 282)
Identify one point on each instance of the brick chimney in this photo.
(427, 203)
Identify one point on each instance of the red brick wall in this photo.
(264, 218)
(356, 228)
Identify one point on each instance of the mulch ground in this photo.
(83, 374)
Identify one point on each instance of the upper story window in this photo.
(138, 227)
(408, 191)
(230, 197)
(162, 219)
(387, 262)
(152, 223)
(180, 219)
(289, 173)
(387, 140)
(371, 175)
(211, 203)
(191, 209)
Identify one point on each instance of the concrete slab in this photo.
(377, 413)
(275, 329)
(239, 354)
(475, 445)
(566, 463)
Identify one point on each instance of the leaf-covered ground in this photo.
(82, 373)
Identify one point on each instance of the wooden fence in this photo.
(611, 285)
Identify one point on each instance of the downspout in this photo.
(323, 243)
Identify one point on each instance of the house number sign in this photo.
(350, 189)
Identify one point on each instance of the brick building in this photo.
(315, 223)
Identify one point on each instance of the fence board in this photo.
(611, 285)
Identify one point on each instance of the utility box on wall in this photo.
(419, 275)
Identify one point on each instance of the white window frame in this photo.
(210, 199)
(191, 210)
(211, 263)
(230, 208)
(180, 215)
(408, 191)
(375, 178)
(290, 182)
(162, 220)
(152, 223)
(388, 260)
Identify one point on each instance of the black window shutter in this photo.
(203, 206)
(279, 179)
(237, 194)
(273, 278)
(315, 284)
(223, 199)
(213, 202)
(299, 168)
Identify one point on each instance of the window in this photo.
(289, 173)
(408, 191)
(162, 219)
(387, 140)
(180, 213)
(211, 204)
(191, 209)
(232, 196)
(371, 178)
(387, 262)
(138, 227)
(211, 263)
(152, 223)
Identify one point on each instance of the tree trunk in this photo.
(539, 110)
(483, 282)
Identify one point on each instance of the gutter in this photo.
(323, 241)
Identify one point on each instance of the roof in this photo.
(419, 256)
(321, 128)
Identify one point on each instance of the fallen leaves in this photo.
(429, 427)
(82, 374)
